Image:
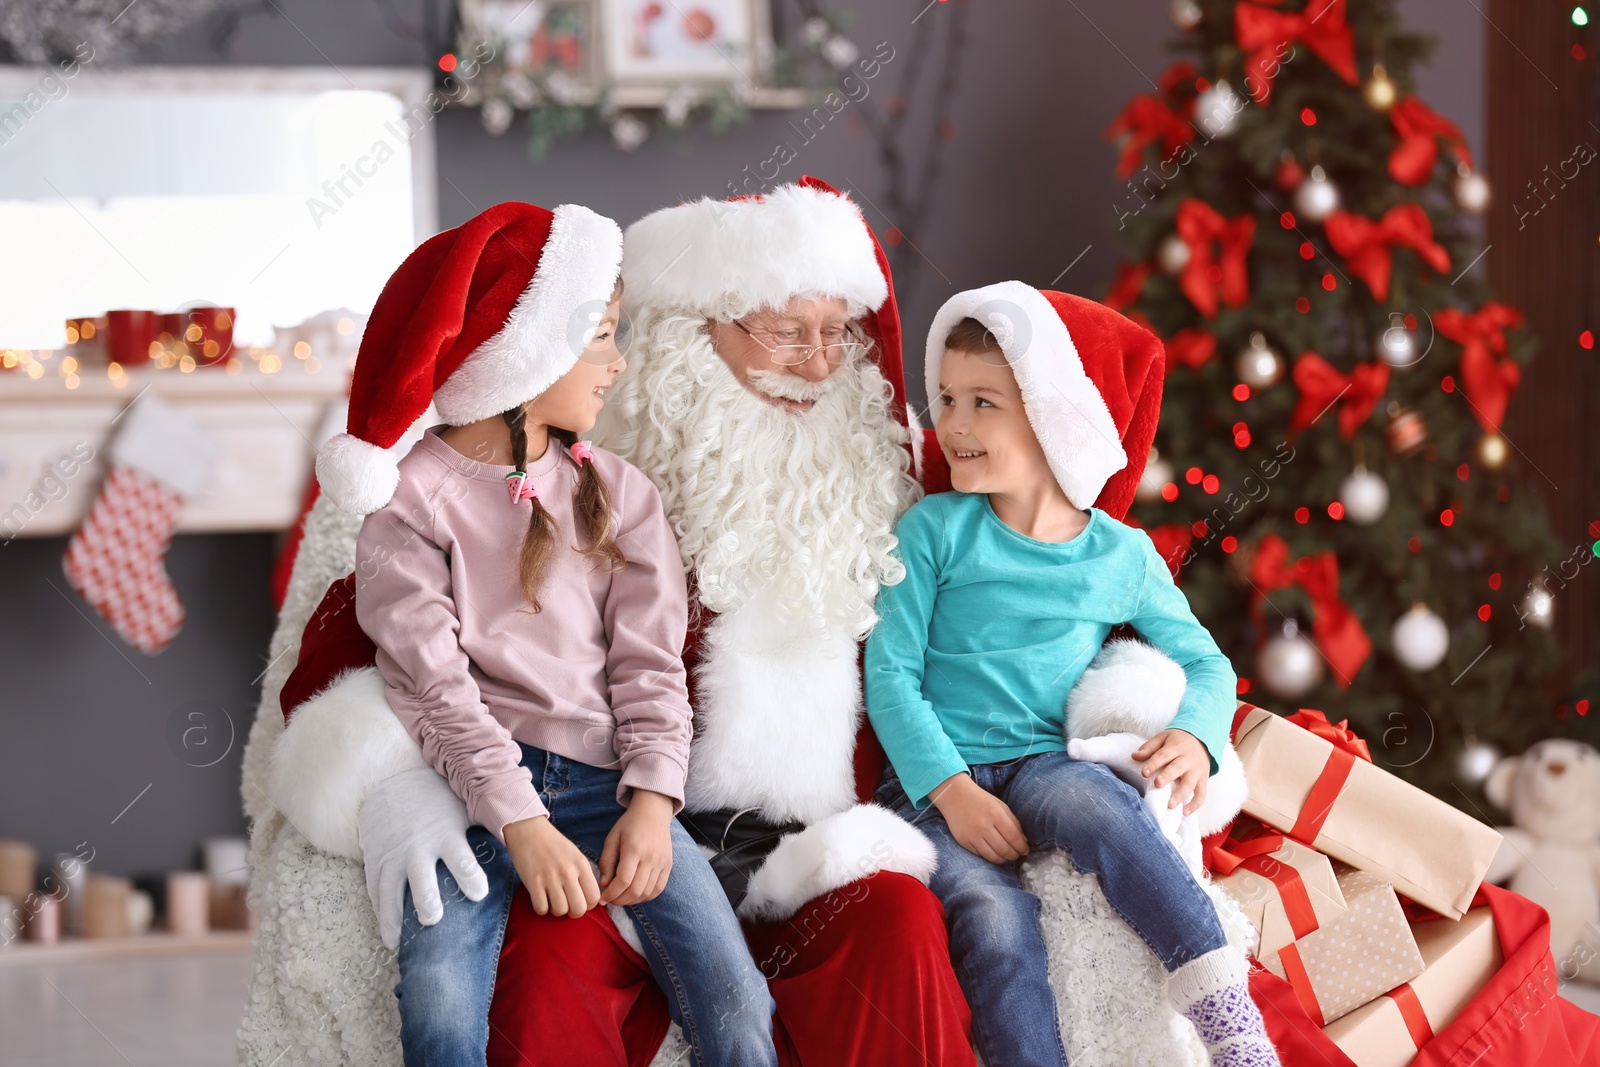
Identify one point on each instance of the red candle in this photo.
(132, 333)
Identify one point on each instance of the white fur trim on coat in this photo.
(762, 252)
(336, 747)
(1065, 409)
(547, 330)
(833, 853)
(777, 720)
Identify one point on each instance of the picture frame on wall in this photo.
(669, 42)
(540, 38)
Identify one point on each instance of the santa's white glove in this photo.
(408, 823)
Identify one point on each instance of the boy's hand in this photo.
(981, 822)
(1177, 756)
(556, 873)
(637, 856)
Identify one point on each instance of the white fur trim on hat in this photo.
(709, 255)
(546, 331)
(357, 475)
(1065, 409)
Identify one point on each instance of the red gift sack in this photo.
(1517, 1019)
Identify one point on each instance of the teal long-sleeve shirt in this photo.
(977, 648)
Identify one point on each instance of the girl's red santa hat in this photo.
(1090, 377)
(476, 321)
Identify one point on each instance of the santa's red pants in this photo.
(860, 976)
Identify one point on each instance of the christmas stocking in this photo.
(117, 559)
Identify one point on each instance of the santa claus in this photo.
(767, 404)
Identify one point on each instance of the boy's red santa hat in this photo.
(1090, 377)
(476, 321)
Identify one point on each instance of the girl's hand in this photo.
(637, 856)
(1177, 756)
(981, 822)
(556, 873)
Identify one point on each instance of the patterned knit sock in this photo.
(1213, 993)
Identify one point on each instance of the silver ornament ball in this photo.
(1420, 638)
(1157, 473)
(1365, 496)
(1289, 664)
(1471, 191)
(1397, 346)
(1258, 364)
(1172, 254)
(1185, 14)
(1538, 608)
(1476, 761)
(1217, 109)
(1317, 197)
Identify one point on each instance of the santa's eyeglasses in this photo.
(838, 353)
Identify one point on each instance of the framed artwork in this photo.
(542, 37)
(666, 42)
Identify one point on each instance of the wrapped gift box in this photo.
(1326, 796)
(1458, 959)
(1355, 958)
(1285, 889)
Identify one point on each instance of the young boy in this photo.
(1012, 583)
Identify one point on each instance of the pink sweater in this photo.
(596, 676)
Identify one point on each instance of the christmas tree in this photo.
(1331, 485)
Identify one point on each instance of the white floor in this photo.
(178, 1011)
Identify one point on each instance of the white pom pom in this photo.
(1129, 688)
(357, 475)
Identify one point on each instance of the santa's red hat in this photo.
(476, 321)
(727, 258)
(1090, 377)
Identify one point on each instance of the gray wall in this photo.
(1027, 187)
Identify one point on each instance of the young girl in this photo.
(1012, 583)
(528, 603)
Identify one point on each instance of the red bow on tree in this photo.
(1486, 381)
(1127, 285)
(1419, 128)
(1209, 273)
(1366, 244)
(1320, 385)
(1321, 27)
(1339, 634)
(1191, 347)
(1149, 119)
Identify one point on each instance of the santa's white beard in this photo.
(796, 510)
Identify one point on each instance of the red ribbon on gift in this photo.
(1192, 347)
(1367, 244)
(1321, 27)
(1419, 128)
(1339, 633)
(1127, 285)
(1485, 380)
(1320, 385)
(1416, 1020)
(1294, 969)
(1347, 748)
(1338, 734)
(1217, 250)
(1253, 853)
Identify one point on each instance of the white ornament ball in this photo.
(1217, 109)
(1289, 664)
(496, 115)
(1258, 364)
(1365, 496)
(1471, 191)
(1420, 638)
(1317, 197)
(1157, 473)
(1398, 346)
(1185, 14)
(1476, 761)
(1538, 608)
(1172, 254)
(628, 132)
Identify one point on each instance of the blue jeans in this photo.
(691, 939)
(995, 943)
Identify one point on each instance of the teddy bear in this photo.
(1551, 854)
(1129, 693)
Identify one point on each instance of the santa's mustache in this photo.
(790, 386)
